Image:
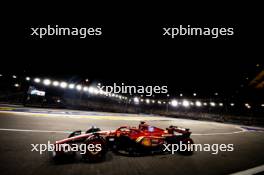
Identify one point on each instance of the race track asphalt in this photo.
(21, 128)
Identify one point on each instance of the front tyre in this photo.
(62, 155)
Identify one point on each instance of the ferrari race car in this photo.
(144, 139)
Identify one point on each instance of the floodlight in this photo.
(79, 87)
(71, 86)
(55, 83)
(174, 103)
(85, 88)
(247, 105)
(147, 101)
(198, 103)
(212, 104)
(36, 80)
(63, 84)
(46, 82)
(185, 103)
(136, 100)
(91, 90)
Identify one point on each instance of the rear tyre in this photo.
(124, 145)
(188, 142)
(95, 149)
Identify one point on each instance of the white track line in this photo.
(29, 130)
(250, 171)
(92, 116)
(47, 131)
(223, 133)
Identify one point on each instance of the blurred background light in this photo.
(185, 103)
(198, 103)
(174, 103)
(63, 84)
(46, 82)
(55, 83)
(212, 104)
(136, 100)
(79, 87)
(36, 80)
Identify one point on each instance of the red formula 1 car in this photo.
(143, 139)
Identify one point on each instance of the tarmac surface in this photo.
(20, 127)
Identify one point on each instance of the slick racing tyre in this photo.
(62, 156)
(188, 142)
(95, 149)
(125, 146)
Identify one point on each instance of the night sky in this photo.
(132, 49)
